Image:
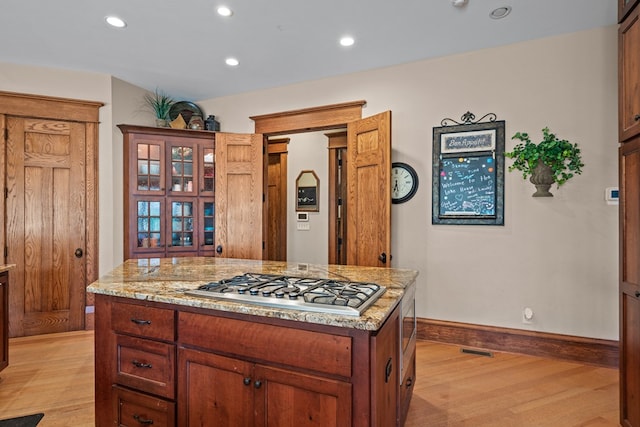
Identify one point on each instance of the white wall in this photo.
(308, 151)
(557, 255)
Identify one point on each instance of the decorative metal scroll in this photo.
(468, 118)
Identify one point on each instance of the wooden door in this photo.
(276, 242)
(337, 197)
(4, 321)
(46, 224)
(214, 390)
(369, 191)
(289, 399)
(630, 284)
(239, 195)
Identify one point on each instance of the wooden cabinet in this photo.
(624, 7)
(137, 378)
(218, 390)
(629, 211)
(169, 193)
(629, 75)
(179, 200)
(176, 365)
(4, 320)
(630, 283)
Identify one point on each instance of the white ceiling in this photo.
(180, 46)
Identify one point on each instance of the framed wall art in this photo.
(468, 173)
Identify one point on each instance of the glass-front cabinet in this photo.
(169, 192)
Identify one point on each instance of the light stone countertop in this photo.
(6, 267)
(165, 280)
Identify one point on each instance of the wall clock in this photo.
(404, 182)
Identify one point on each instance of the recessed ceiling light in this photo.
(232, 62)
(224, 11)
(114, 21)
(347, 41)
(500, 12)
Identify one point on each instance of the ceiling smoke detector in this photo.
(458, 3)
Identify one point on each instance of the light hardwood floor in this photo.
(54, 374)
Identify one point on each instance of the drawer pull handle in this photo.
(388, 369)
(141, 420)
(636, 117)
(141, 364)
(257, 384)
(409, 382)
(637, 294)
(141, 322)
(246, 381)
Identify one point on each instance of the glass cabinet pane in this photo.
(181, 223)
(148, 167)
(208, 172)
(182, 168)
(148, 224)
(209, 223)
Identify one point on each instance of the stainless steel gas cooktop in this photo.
(300, 293)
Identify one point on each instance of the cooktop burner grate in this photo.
(301, 293)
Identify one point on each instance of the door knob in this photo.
(383, 258)
(78, 253)
(219, 249)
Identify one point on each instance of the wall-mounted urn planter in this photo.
(542, 178)
(551, 160)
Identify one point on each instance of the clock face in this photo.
(404, 182)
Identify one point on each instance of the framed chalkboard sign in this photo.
(468, 174)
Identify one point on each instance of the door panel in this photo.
(239, 195)
(277, 210)
(369, 191)
(46, 225)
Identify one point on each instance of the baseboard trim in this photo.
(577, 349)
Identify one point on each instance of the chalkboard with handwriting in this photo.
(468, 174)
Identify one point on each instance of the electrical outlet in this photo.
(527, 315)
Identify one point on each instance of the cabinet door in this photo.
(239, 195)
(207, 221)
(289, 399)
(182, 221)
(146, 171)
(146, 236)
(214, 390)
(206, 166)
(629, 73)
(183, 168)
(630, 284)
(385, 347)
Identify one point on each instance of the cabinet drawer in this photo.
(146, 365)
(133, 409)
(406, 388)
(317, 351)
(143, 321)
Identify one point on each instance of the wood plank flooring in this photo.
(54, 374)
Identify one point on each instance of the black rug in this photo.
(26, 421)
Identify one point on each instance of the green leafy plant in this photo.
(560, 155)
(160, 103)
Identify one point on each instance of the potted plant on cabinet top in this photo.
(551, 160)
(160, 103)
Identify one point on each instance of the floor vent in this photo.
(476, 352)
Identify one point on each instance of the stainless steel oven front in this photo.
(407, 329)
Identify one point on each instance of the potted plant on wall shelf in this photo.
(551, 160)
(160, 103)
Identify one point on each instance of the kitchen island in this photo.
(169, 358)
